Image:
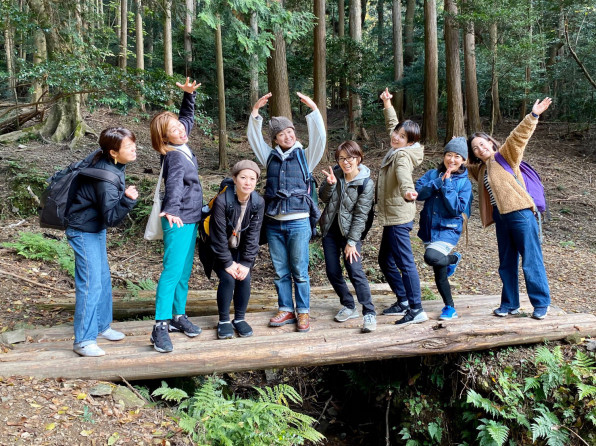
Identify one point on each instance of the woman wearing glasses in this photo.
(348, 194)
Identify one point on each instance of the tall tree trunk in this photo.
(188, 16)
(341, 33)
(554, 52)
(10, 60)
(221, 99)
(398, 59)
(355, 109)
(167, 38)
(254, 63)
(363, 8)
(455, 105)
(528, 75)
(431, 74)
(409, 52)
(380, 23)
(320, 53)
(140, 45)
(472, 106)
(40, 55)
(123, 34)
(495, 115)
(277, 78)
(149, 42)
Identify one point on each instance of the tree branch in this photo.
(579, 62)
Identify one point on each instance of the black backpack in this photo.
(204, 240)
(58, 196)
(371, 213)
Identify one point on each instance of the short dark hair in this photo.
(411, 128)
(111, 139)
(352, 149)
(472, 158)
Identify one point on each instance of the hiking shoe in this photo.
(225, 330)
(282, 318)
(369, 323)
(451, 268)
(540, 313)
(111, 335)
(413, 317)
(91, 350)
(448, 313)
(303, 322)
(160, 338)
(185, 326)
(242, 328)
(397, 309)
(502, 311)
(346, 313)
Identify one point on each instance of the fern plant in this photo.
(212, 418)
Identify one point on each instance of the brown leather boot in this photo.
(282, 318)
(303, 322)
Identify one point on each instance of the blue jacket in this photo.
(445, 201)
(99, 204)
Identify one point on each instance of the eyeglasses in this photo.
(349, 159)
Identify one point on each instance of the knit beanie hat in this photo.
(278, 124)
(246, 164)
(457, 145)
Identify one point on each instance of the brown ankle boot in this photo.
(303, 322)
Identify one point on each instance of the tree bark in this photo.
(277, 78)
(431, 74)
(355, 108)
(398, 59)
(472, 106)
(167, 38)
(320, 54)
(495, 115)
(254, 64)
(528, 75)
(10, 60)
(123, 34)
(380, 27)
(140, 46)
(188, 16)
(455, 105)
(409, 52)
(221, 98)
(39, 56)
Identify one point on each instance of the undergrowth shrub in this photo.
(33, 245)
(213, 418)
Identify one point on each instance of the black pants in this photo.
(440, 263)
(228, 289)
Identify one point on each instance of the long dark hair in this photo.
(472, 158)
(111, 139)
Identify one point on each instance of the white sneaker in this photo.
(111, 335)
(346, 313)
(370, 323)
(89, 350)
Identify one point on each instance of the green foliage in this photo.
(492, 433)
(20, 201)
(33, 245)
(212, 418)
(316, 256)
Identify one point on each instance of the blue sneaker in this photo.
(502, 311)
(540, 313)
(451, 268)
(448, 313)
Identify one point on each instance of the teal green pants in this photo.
(178, 256)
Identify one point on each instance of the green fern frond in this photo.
(170, 394)
(532, 383)
(479, 401)
(547, 426)
(497, 431)
(584, 361)
(187, 423)
(586, 390)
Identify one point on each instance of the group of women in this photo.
(287, 215)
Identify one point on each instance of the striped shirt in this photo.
(488, 189)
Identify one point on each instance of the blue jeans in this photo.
(288, 247)
(517, 234)
(333, 247)
(93, 285)
(396, 260)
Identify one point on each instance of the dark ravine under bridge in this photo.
(47, 353)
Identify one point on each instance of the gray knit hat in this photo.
(245, 164)
(457, 145)
(278, 124)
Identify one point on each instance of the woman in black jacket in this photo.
(234, 228)
(97, 205)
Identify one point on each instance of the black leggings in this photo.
(228, 289)
(440, 262)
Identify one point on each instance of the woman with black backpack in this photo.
(234, 229)
(504, 200)
(97, 205)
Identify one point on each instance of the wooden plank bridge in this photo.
(48, 352)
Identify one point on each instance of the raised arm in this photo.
(317, 135)
(187, 107)
(254, 131)
(391, 120)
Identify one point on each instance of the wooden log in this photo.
(318, 347)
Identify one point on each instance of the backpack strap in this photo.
(362, 186)
(304, 165)
(102, 175)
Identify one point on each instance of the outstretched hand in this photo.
(541, 106)
(386, 97)
(308, 101)
(261, 102)
(188, 86)
(330, 176)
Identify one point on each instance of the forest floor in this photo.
(50, 411)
